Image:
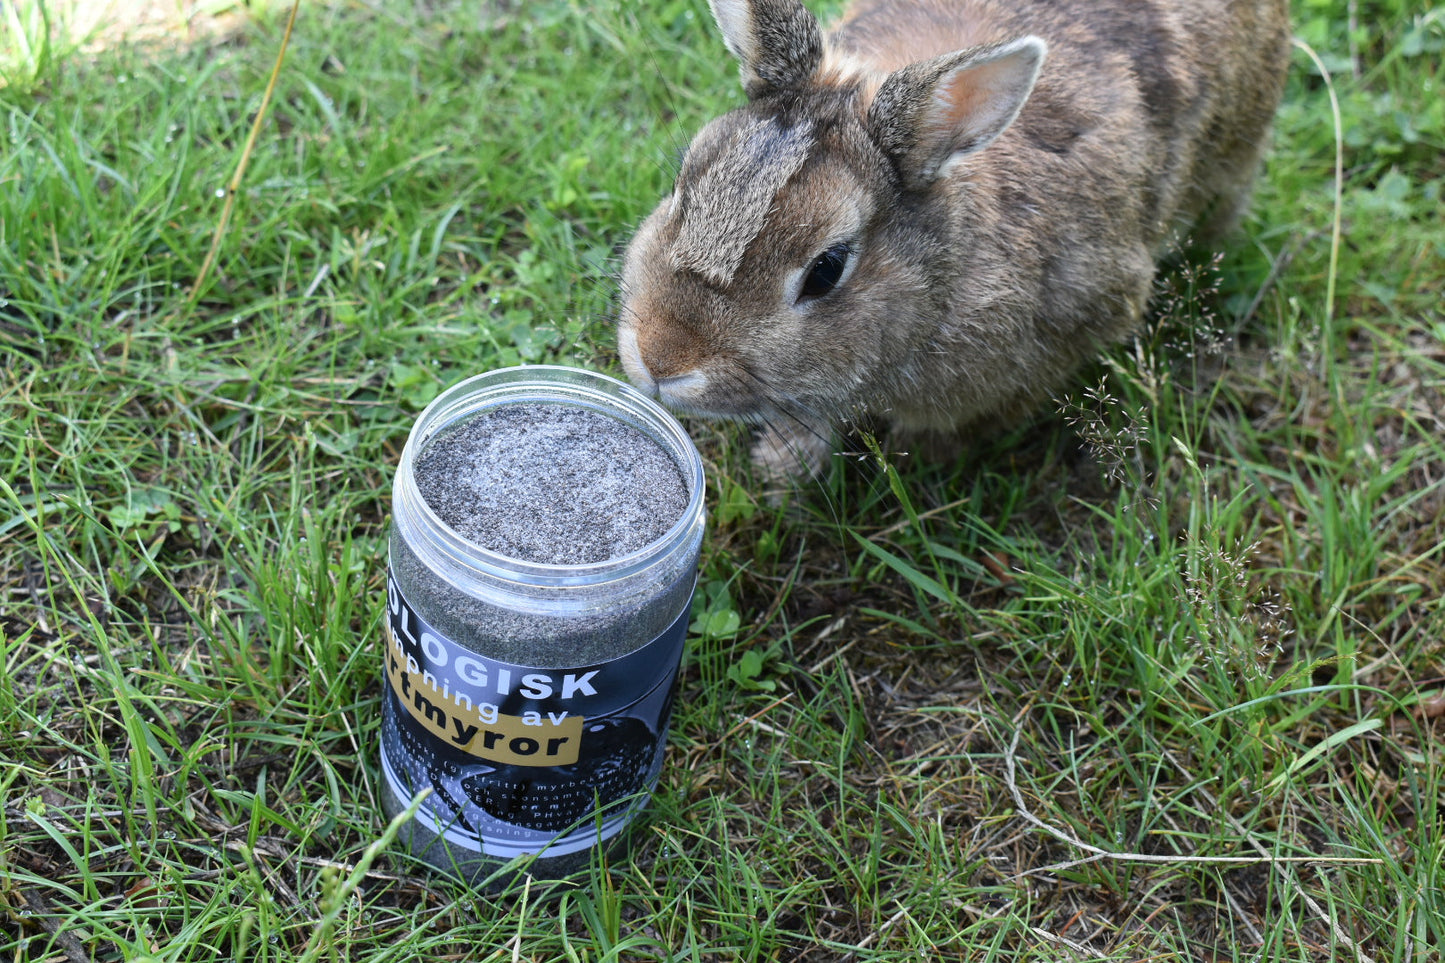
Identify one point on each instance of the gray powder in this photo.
(552, 483)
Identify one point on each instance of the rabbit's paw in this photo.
(790, 450)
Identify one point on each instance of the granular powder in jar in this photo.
(552, 483)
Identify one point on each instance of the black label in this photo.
(516, 755)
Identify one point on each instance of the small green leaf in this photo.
(735, 504)
(722, 624)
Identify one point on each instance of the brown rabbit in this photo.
(935, 213)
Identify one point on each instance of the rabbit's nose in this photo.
(632, 363)
(663, 373)
(668, 352)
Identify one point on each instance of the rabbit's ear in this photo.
(929, 113)
(777, 42)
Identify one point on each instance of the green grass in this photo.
(1158, 676)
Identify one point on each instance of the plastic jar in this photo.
(531, 697)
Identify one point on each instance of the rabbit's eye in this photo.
(826, 271)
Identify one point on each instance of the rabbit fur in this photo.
(935, 213)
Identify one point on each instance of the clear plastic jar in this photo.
(532, 698)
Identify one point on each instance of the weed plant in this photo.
(1159, 675)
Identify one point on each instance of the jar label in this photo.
(520, 758)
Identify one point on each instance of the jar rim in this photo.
(445, 547)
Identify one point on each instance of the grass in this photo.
(1160, 675)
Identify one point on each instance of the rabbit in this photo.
(934, 214)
